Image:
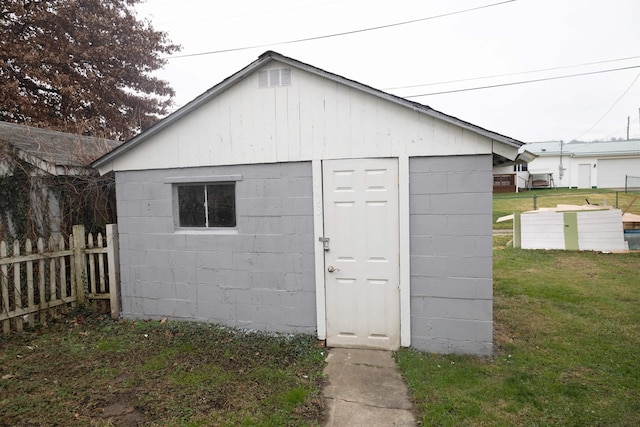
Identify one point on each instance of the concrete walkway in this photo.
(365, 389)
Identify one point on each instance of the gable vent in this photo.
(285, 76)
(274, 77)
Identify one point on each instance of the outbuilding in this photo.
(287, 198)
(47, 184)
(576, 164)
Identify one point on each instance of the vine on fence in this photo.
(14, 201)
(35, 203)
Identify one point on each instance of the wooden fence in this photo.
(39, 282)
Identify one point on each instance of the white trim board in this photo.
(318, 232)
(405, 251)
(404, 242)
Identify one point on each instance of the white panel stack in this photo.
(542, 230)
(601, 231)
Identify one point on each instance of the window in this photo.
(207, 205)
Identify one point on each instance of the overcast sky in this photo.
(464, 40)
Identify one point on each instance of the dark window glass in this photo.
(191, 206)
(212, 205)
(221, 205)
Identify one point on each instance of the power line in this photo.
(258, 13)
(610, 108)
(523, 82)
(622, 129)
(511, 74)
(345, 33)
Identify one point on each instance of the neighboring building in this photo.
(288, 198)
(38, 167)
(600, 164)
(509, 177)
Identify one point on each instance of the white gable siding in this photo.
(313, 118)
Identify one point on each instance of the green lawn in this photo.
(508, 203)
(567, 353)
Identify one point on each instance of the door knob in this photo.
(331, 269)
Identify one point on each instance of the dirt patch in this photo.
(121, 414)
(501, 334)
(579, 373)
(576, 263)
(119, 409)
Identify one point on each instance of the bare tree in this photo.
(81, 66)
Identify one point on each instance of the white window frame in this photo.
(178, 181)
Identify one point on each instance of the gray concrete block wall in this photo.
(451, 254)
(260, 278)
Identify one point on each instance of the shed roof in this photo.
(53, 151)
(270, 56)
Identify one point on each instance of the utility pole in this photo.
(628, 122)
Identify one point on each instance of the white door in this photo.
(584, 175)
(362, 262)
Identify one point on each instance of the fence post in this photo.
(4, 284)
(80, 262)
(17, 286)
(113, 260)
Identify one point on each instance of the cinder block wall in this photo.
(260, 278)
(451, 254)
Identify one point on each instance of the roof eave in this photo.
(54, 169)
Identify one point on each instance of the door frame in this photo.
(404, 240)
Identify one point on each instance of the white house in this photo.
(288, 198)
(600, 164)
